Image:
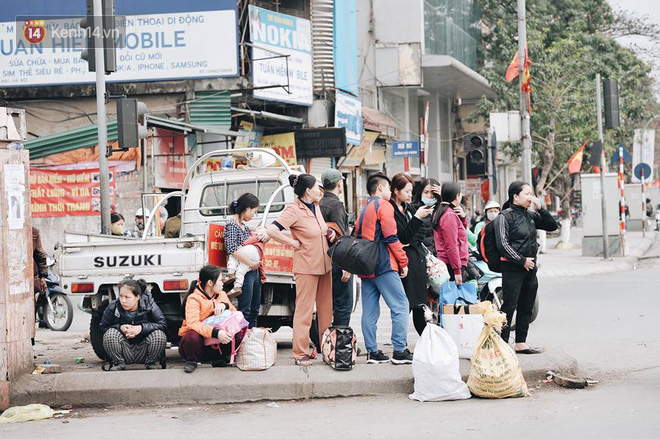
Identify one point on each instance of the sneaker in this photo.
(220, 363)
(190, 366)
(402, 357)
(152, 366)
(118, 367)
(377, 357)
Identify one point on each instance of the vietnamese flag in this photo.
(575, 162)
(513, 71)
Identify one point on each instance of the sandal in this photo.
(305, 361)
(314, 354)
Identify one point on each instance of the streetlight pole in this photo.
(606, 237)
(526, 137)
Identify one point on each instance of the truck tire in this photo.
(95, 335)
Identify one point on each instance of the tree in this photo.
(569, 41)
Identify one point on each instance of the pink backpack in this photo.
(234, 325)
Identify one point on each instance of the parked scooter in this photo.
(54, 309)
(489, 287)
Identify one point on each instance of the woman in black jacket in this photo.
(515, 234)
(133, 327)
(411, 234)
(428, 194)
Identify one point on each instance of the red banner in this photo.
(67, 193)
(278, 258)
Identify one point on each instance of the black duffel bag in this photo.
(354, 254)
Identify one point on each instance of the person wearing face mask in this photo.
(449, 226)
(312, 267)
(515, 234)
(428, 194)
(492, 209)
(409, 224)
(117, 224)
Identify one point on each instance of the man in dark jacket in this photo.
(133, 327)
(334, 213)
(40, 262)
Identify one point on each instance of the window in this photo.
(218, 196)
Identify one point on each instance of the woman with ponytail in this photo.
(205, 298)
(449, 226)
(244, 256)
(133, 327)
(311, 265)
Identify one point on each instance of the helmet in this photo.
(492, 204)
(142, 213)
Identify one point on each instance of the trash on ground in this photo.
(46, 369)
(272, 405)
(30, 412)
(569, 381)
(79, 360)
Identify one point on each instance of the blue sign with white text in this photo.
(405, 148)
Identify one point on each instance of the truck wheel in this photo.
(95, 335)
(314, 333)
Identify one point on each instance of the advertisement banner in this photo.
(281, 57)
(278, 258)
(149, 47)
(67, 193)
(170, 159)
(348, 114)
(284, 145)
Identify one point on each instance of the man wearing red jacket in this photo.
(376, 223)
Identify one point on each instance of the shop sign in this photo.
(321, 142)
(348, 114)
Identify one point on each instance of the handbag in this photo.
(450, 293)
(258, 350)
(436, 270)
(356, 255)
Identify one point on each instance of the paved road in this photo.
(607, 322)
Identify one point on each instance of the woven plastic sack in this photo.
(30, 412)
(258, 351)
(495, 371)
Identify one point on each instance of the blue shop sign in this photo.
(405, 148)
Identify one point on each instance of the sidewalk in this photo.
(570, 262)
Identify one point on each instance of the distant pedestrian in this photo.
(205, 298)
(312, 267)
(515, 233)
(335, 216)
(134, 327)
(376, 223)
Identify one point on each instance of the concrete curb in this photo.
(208, 385)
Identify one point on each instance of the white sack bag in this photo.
(436, 368)
(465, 330)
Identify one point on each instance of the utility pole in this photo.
(606, 250)
(526, 135)
(104, 170)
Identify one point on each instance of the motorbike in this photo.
(53, 306)
(489, 287)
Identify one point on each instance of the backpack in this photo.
(258, 350)
(339, 347)
(487, 245)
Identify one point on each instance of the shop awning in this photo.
(374, 120)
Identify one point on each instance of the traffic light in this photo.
(92, 26)
(475, 155)
(129, 129)
(611, 98)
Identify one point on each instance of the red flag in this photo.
(575, 162)
(513, 71)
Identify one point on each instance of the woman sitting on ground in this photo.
(133, 327)
(206, 298)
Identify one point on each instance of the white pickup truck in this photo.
(91, 265)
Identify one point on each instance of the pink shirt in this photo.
(451, 240)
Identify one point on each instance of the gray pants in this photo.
(121, 350)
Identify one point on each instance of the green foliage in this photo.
(568, 44)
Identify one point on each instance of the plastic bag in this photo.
(436, 368)
(495, 371)
(30, 412)
(436, 270)
(465, 330)
(258, 350)
(451, 293)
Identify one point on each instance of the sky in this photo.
(650, 8)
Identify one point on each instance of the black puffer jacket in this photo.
(515, 232)
(148, 315)
(426, 230)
